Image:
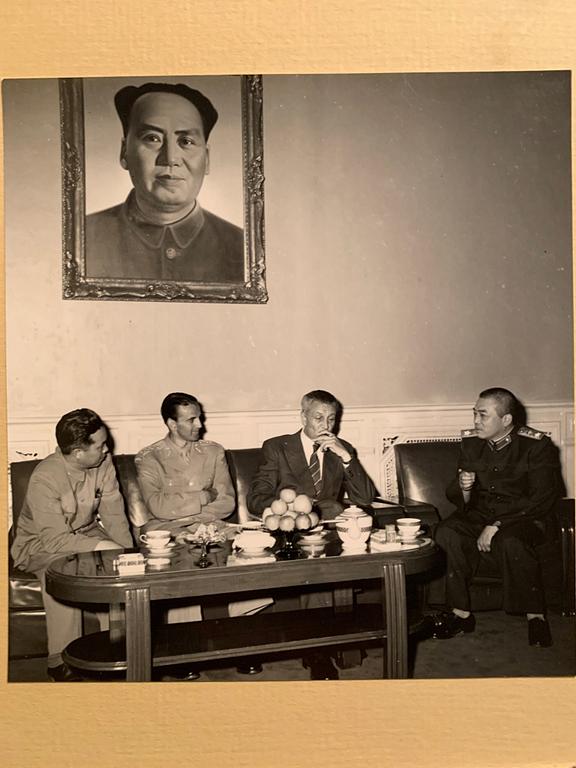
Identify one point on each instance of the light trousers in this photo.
(63, 623)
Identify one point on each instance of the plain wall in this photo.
(418, 249)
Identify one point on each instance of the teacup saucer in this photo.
(312, 538)
(416, 534)
(160, 551)
(157, 562)
(315, 544)
(254, 554)
(360, 547)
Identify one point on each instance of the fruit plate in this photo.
(318, 528)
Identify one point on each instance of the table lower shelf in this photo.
(216, 639)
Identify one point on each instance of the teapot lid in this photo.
(353, 511)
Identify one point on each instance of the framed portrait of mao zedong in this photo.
(163, 189)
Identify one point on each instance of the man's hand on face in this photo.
(486, 537)
(329, 442)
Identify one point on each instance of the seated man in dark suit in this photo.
(508, 481)
(312, 461)
(315, 462)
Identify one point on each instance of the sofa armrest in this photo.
(565, 512)
(407, 508)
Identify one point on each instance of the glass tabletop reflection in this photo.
(188, 556)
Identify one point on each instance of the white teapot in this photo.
(354, 526)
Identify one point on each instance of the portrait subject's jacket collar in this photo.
(183, 232)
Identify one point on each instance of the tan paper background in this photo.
(484, 723)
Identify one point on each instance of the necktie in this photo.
(315, 469)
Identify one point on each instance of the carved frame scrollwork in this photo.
(76, 284)
(388, 479)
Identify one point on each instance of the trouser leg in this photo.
(518, 563)
(457, 536)
(63, 624)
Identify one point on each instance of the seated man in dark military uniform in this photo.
(508, 481)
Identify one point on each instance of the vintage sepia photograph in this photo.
(163, 189)
(336, 444)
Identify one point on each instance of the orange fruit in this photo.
(314, 519)
(272, 522)
(287, 495)
(266, 513)
(302, 504)
(278, 507)
(287, 523)
(303, 522)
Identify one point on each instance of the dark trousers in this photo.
(512, 554)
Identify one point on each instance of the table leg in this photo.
(138, 635)
(395, 615)
(343, 600)
(117, 622)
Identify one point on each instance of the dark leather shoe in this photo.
(446, 625)
(539, 633)
(63, 674)
(180, 676)
(320, 666)
(249, 669)
(350, 659)
(191, 675)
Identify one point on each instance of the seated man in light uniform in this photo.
(185, 480)
(73, 504)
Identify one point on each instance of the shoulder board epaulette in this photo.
(207, 442)
(468, 433)
(148, 449)
(533, 433)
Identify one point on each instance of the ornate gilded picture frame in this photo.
(111, 251)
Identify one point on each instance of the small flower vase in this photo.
(203, 562)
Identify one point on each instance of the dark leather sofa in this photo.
(27, 629)
(423, 472)
(27, 636)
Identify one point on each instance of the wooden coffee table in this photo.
(133, 646)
